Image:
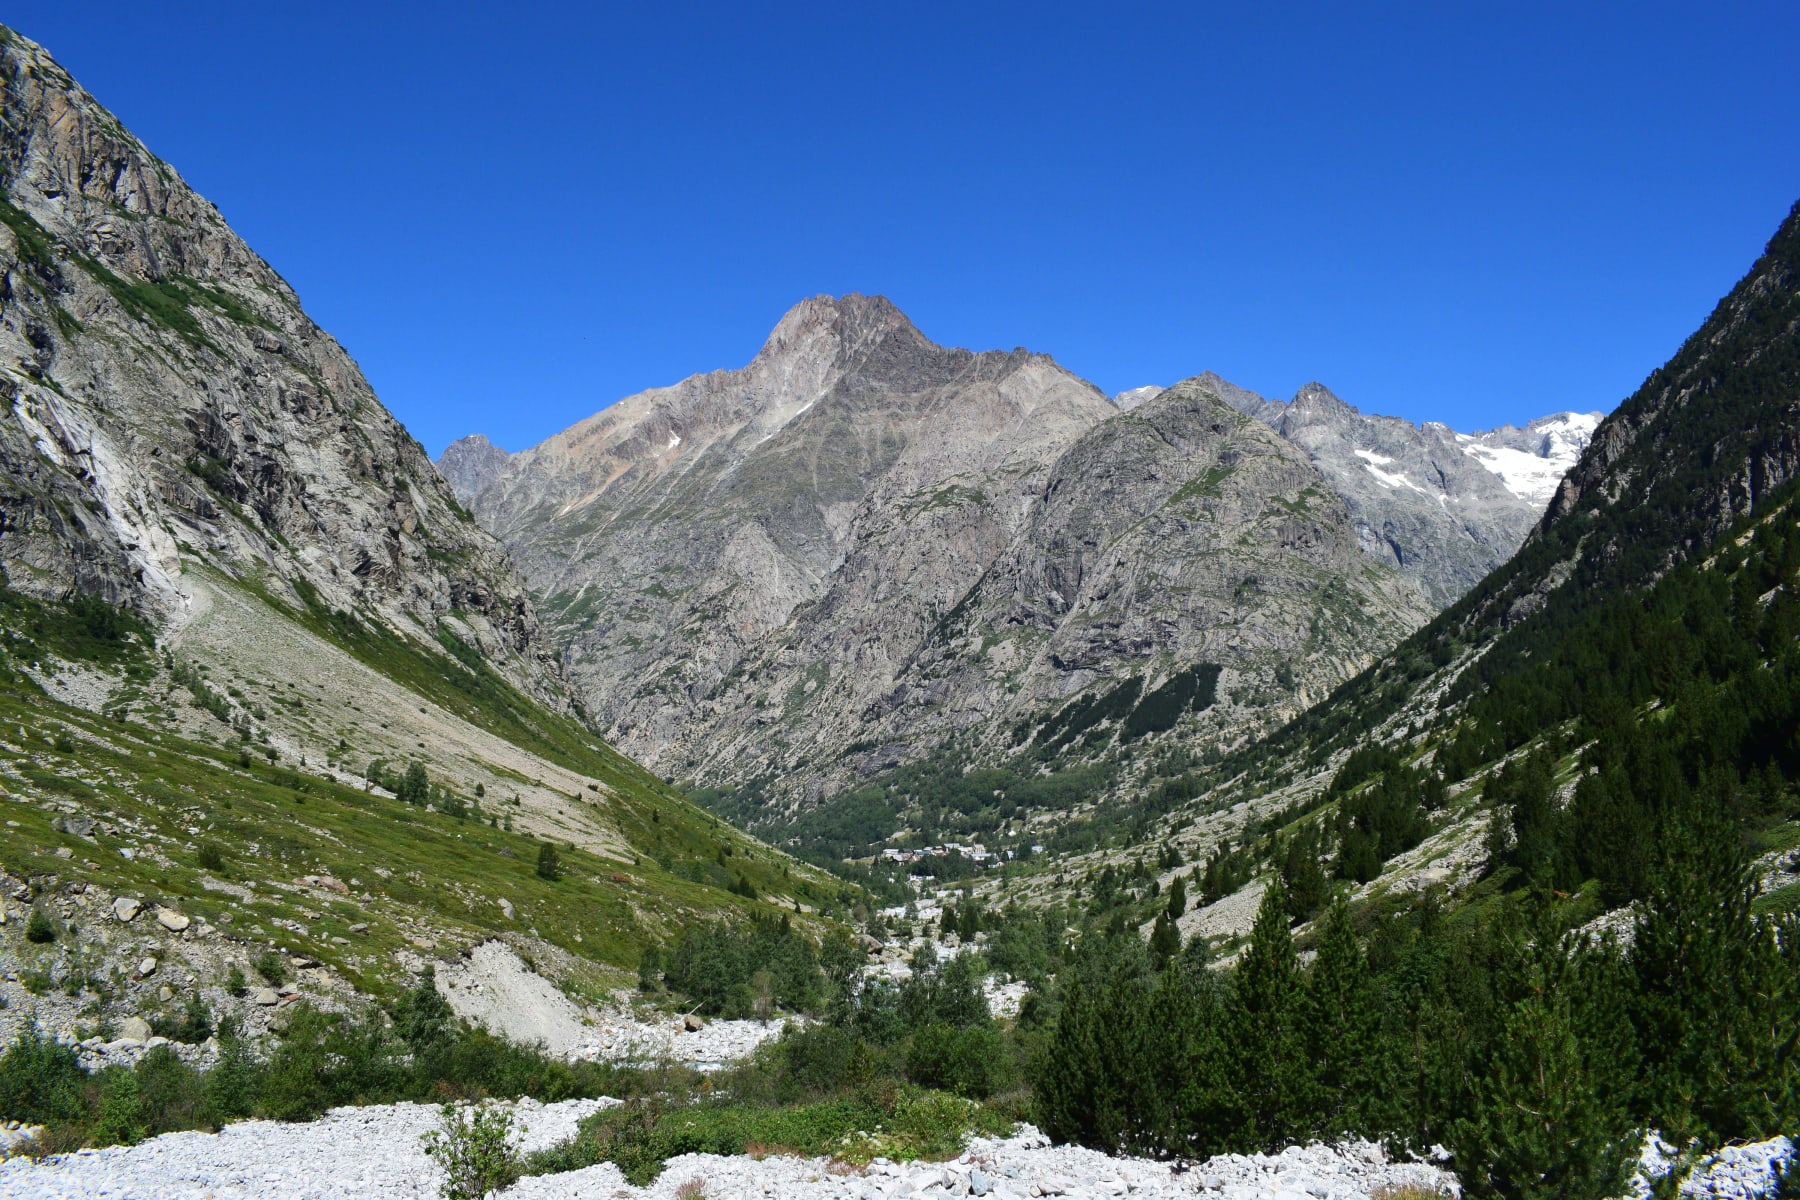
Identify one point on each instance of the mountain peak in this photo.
(840, 321)
(469, 464)
(1316, 397)
(1130, 398)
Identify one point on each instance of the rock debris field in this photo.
(375, 1153)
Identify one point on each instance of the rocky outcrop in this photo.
(167, 405)
(1180, 533)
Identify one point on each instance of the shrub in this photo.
(236, 1079)
(210, 857)
(549, 863)
(121, 1118)
(40, 928)
(41, 1082)
(294, 1086)
(475, 1150)
(171, 1094)
(272, 968)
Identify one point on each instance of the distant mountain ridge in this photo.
(1417, 503)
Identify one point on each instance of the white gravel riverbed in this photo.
(375, 1154)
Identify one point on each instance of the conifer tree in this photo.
(1165, 941)
(1269, 1055)
(1341, 1027)
(1302, 878)
(1718, 991)
(1177, 903)
(1543, 1126)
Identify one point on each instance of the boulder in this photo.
(690, 1024)
(134, 1029)
(171, 920)
(265, 996)
(146, 968)
(126, 909)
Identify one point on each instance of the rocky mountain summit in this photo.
(170, 406)
(862, 543)
(469, 464)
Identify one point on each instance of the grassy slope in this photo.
(170, 778)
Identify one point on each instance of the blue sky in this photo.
(513, 215)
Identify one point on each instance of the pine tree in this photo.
(1718, 991)
(1341, 1028)
(1302, 878)
(1177, 899)
(1543, 1125)
(1165, 941)
(549, 863)
(1271, 1075)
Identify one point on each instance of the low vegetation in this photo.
(414, 1050)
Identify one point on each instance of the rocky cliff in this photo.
(317, 728)
(168, 405)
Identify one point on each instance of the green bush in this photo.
(272, 967)
(171, 1094)
(40, 928)
(120, 1121)
(549, 863)
(475, 1150)
(969, 1062)
(641, 1135)
(232, 1086)
(41, 1082)
(192, 1026)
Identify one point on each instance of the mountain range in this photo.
(863, 546)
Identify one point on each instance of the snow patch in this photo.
(1532, 461)
(1396, 480)
(1380, 460)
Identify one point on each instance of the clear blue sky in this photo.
(513, 215)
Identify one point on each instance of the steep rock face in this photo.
(1441, 506)
(469, 464)
(168, 404)
(1175, 534)
(672, 534)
